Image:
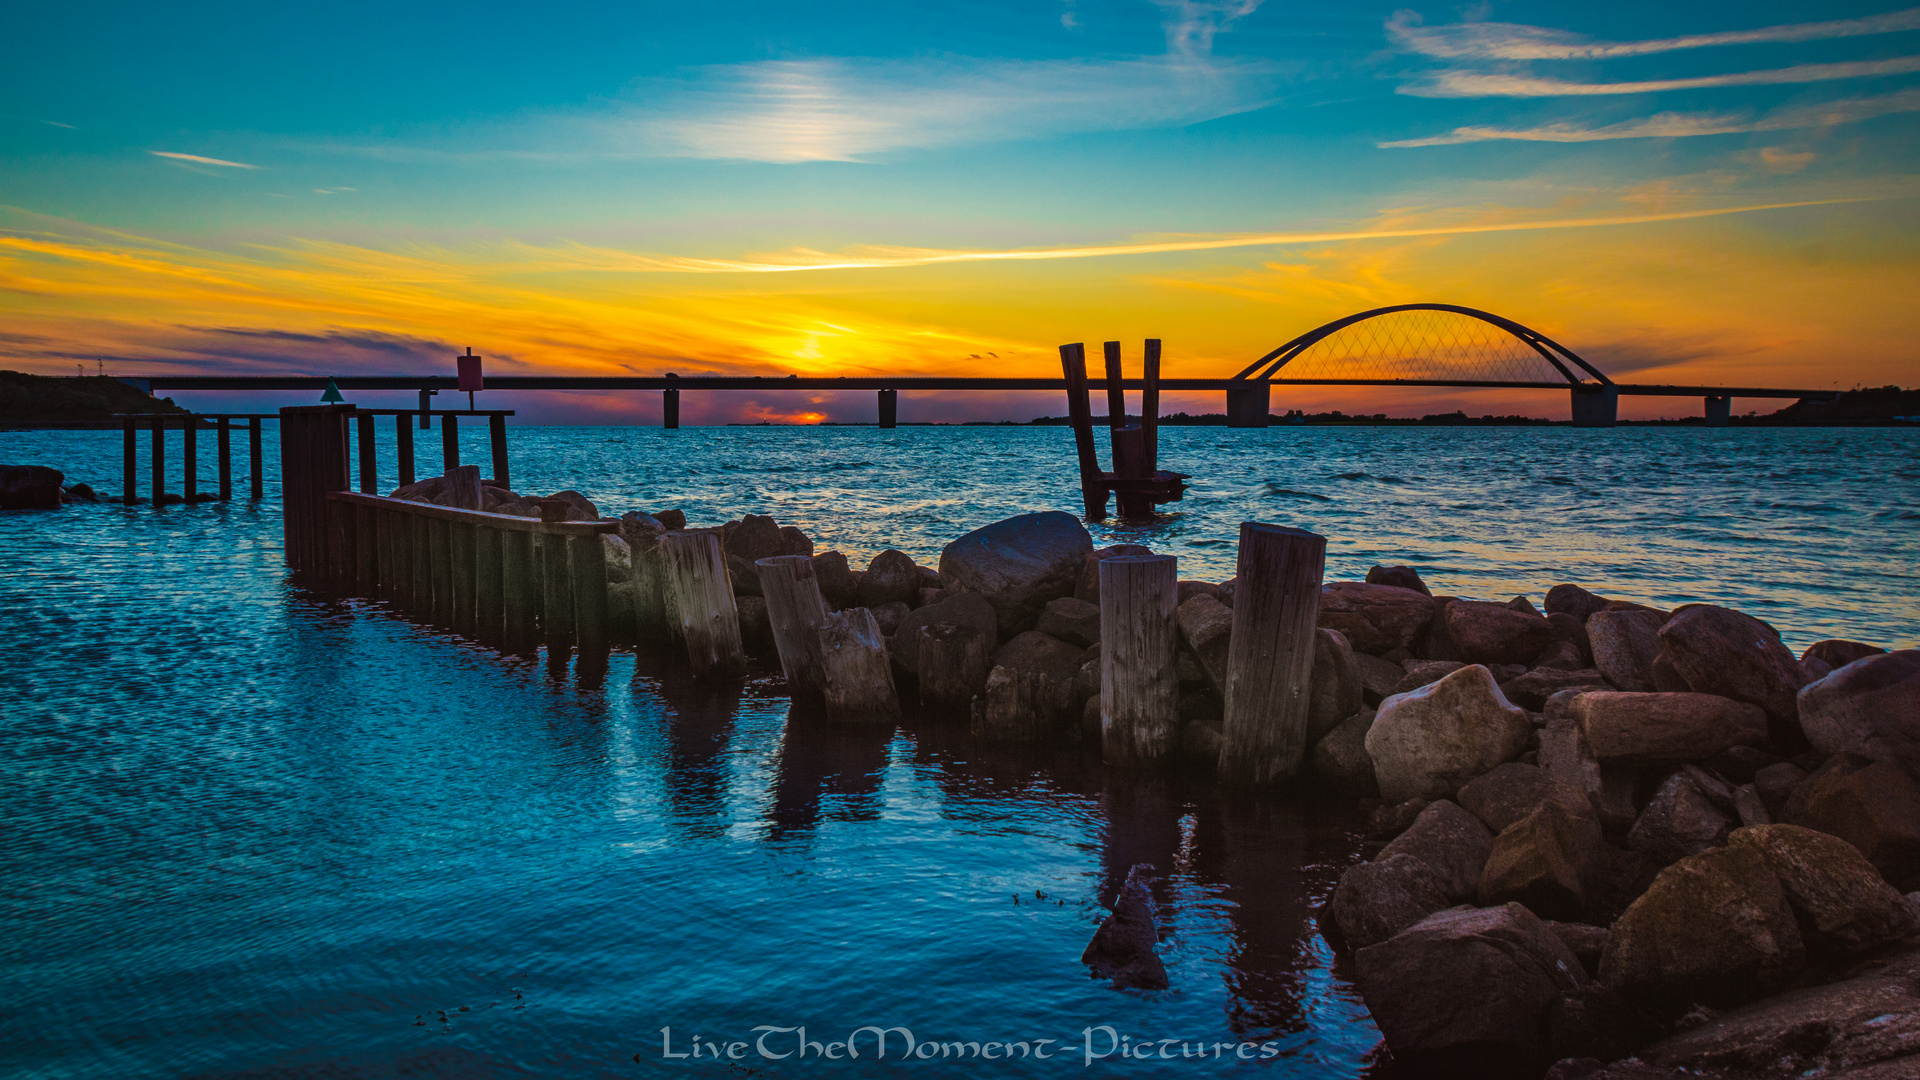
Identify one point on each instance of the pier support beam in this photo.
(1248, 408)
(889, 408)
(403, 446)
(226, 460)
(128, 492)
(190, 460)
(159, 460)
(449, 442)
(670, 409)
(1719, 410)
(497, 435)
(369, 470)
(257, 482)
(1596, 406)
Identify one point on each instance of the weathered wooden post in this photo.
(369, 467)
(393, 566)
(420, 557)
(462, 566)
(190, 459)
(463, 487)
(1093, 491)
(1139, 683)
(449, 442)
(1276, 602)
(703, 595)
(225, 442)
(440, 569)
(497, 435)
(856, 673)
(342, 558)
(556, 584)
(366, 548)
(796, 609)
(954, 663)
(516, 587)
(257, 482)
(587, 561)
(129, 493)
(159, 457)
(489, 597)
(403, 446)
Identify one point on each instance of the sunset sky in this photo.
(1694, 193)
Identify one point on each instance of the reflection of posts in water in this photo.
(1143, 826)
(1264, 853)
(815, 761)
(698, 725)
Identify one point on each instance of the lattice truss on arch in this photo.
(1442, 345)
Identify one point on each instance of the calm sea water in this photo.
(249, 832)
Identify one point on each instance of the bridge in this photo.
(1437, 345)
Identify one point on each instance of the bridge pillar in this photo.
(1248, 407)
(889, 408)
(1719, 410)
(670, 408)
(1596, 406)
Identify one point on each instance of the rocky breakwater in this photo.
(36, 487)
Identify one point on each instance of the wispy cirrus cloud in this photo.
(1515, 41)
(1480, 84)
(198, 160)
(1668, 125)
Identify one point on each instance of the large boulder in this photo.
(838, 586)
(1404, 577)
(890, 577)
(1625, 645)
(1340, 757)
(1869, 804)
(1469, 988)
(1451, 842)
(1680, 820)
(1869, 706)
(1609, 789)
(1018, 564)
(1722, 651)
(959, 609)
(1531, 691)
(1844, 905)
(1335, 684)
(1087, 585)
(1712, 929)
(1206, 629)
(1378, 677)
(1375, 618)
(1838, 653)
(1544, 861)
(1625, 728)
(1575, 601)
(1122, 949)
(1496, 633)
(1512, 791)
(756, 537)
(1430, 741)
(1056, 663)
(30, 487)
(1071, 620)
(1376, 900)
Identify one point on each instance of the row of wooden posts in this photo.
(521, 583)
(1137, 480)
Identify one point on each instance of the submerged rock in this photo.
(1123, 948)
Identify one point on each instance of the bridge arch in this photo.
(1449, 335)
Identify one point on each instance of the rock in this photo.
(1206, 629)
(1512, 791)
(1624, 645)
(1585, 942)
(1436, 642)
(495, 500)
(672, 520)
(1187, 590)
(1598, 1024)
(79, 493)
(1574, 632)
(1543, 860)
(928, 596)
(1524, 606)
(1419, 673)
(1713, 929)
(1189, 672)
(1019, 564)
(1531, 690)
(1018, 706)
(1054, 662)
(1199, 743)
(1870, 707)
(1679, 821)
(1376, 900)
(1844, 905)
(1378, 677)
(1087, 585)
(637, 529)
(1565, 756)
(756, 628)
(1666, 677)
(758, 537)
(1071, 620)
(1375, 618)
(1663, 729)
(1122, 949)
(579, 507)
(1402, 577)
(890, 576)
(794, 542)
(1837, 654)
(1573, 600)
(1871, 805)
(619, 559)
(930, 578)
(1749, 807)
(427, 490)
(1863, 1028)
(838, 587)
(1773, 783)
(745, 576)
(1452, 843)
(1561, 655)
(1335, 689)
(959, 609)
(1391, 819)
(1721, 651)
(1340, 757)
(1815, 668)
(889, 616)
(1428, 742)
(1414, 984)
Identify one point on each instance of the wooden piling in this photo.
(954, 663)
(1073, 362)
(129, 493)
(489, 597)
(796, 609)
(856, 673)
(256, 481)
(1139, 683)
(159, 461)
(224, 441)
(516, 589)
(463, 487)
(366, 551)
(449, 442)
(1276, 601)
(386, 527)
(587, 564)
(419, 558)
(1016, 705)
(556, 581)
(190, 459)
(440, 569)
(403, 446)
(1116, 390)
(341, 556)
(703, 596)
(461, 570)
(497, 436)
(1150, 409)
(369, 466)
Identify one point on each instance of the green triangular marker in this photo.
(332, 394)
